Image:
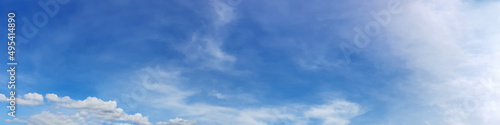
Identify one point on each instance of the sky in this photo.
(254, 62)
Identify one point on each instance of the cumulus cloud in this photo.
(31, 99)
(92, 110)
(52, 97)
(98, 108)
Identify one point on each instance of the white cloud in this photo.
(224, 13)
(336, 112)
(122, 124)
(31, 99)
(217, 94)
(166, 95)
(98, 108)
(451, 48)
(208, 52)
(16, 120)
(206, 49)
(55, 98)
(177, 121)
(52, 97)
(172, 98)
(89, 111)
(3, 98)
(47, 118)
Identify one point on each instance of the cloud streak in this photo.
(165, 95)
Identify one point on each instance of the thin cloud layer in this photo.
(451, 48)
(170, 97)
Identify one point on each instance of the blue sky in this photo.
(223, 62)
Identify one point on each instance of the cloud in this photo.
(3, 98)
(207, 51)
(98, 108)
(217, 94)
(452, 51)
(31, 99)
(53, 97)
(224, 13)
(92, 110)
(205, 48)
(164, 95)
(177, 121)
(16, 120)
(47, 118)
(336, 112)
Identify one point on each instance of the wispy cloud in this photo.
(205, 48)
(207, 52)
(168, 96)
